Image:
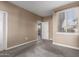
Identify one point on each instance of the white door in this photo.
(1, 31)
(45, 30)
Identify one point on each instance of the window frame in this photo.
(74, 33)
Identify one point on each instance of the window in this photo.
(68, 21)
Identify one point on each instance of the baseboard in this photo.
(1, 50)
(51, 39)
(65, 45)
(20, 44)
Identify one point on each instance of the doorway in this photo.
(43, 30)
(39, 26)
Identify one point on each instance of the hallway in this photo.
(44, 48)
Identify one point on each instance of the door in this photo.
(45, 30)
(2, 30)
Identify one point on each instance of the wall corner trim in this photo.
(63, 45)
(20, 45)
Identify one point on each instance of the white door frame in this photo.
(5, 29)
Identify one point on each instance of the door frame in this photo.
(5, 29)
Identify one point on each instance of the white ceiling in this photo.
(41, 8)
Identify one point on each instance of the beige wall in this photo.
(66, 39)
(49, 20)
(21, 24)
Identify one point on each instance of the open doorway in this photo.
(39, 26)
(43, 30)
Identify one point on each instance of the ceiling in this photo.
(41, 8)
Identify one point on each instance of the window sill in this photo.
(67, 33)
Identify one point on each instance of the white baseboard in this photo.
(21, 44)
(1, 49)
(51, 39)
(66, 45)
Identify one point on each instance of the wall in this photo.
(49, 20)
(66, 39)
(21, 24)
